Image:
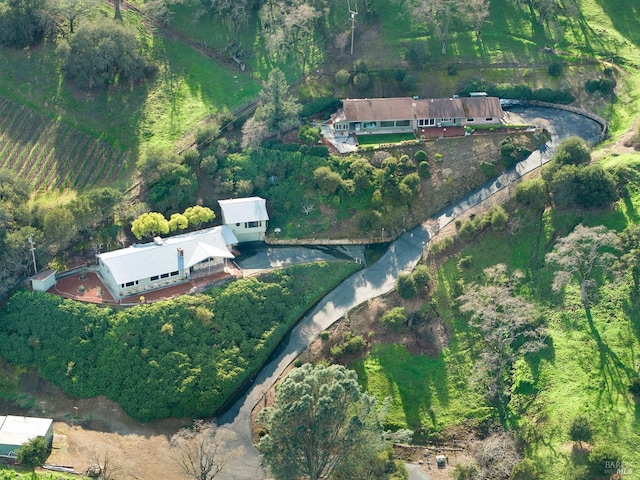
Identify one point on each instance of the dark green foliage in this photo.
(319, 423)
(604, 461)
(603, 85)
(33, 453)
(421, 276)
(177, 358)
(394, 318)
(362, 81)
(409, 83)
(572, 151)
(406, 286)
(318, 151)
(321, 104)
(170, 184)
(424, 169)
(209, 165)
(533, 193)
(417, 54)
(103, 53)
(587, 187)
(525, 470)
(580, 429)
(499, 217)
(420, 156)
(520, 92)
(23, 23)
(206, 135)
(360, 66)
(342, 77)
(555, 69)
(634, 388)
(452, 70)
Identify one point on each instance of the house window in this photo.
(489, 119)
(387, 123)
(154, 278)
(173, 274)
(164, 275)
(129, 284)
(237, 224)
(470, 120)
(403, 123)
(432, 121)
(251, 224)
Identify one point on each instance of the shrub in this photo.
(206, 135)
(324, 335)
(406, 286)
(209, 164)
(421, 276)
(465, 262)
(533, 193)
(342, 77)
(394, 318)
(309, 134)
(580, 430)
(360, 66)
(452, 70)
(555, 69)
(399, 74)
(499, 217)
(417, 54)
(424, 169)
(321, 104)
(354, 344)
(591, 86)
(606, 85)
(327, 180)
(409, 83)
(420, 156)
(362, 81)
(604, 460)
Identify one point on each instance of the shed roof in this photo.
(161, 256)
(405, 108)
(240, 210)
(43, 274)
(16, 430)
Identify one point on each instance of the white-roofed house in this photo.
(15, 430)
(246, 217)
(165, 261)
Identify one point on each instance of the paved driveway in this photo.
(376, 280)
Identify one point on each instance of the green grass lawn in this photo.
(378, 139)
(585, 369)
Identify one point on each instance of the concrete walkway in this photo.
(375, 280)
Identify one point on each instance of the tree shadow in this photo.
(616, 374)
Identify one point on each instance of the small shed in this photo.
(15, 430)
(43, 280)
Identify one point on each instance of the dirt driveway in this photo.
(90, 431)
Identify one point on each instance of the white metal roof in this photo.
(155, 258)
(17, 430)
(240, 210)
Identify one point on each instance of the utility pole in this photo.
(353, 14)
(33, 254)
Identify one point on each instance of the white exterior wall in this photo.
(245, 233)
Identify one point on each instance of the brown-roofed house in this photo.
(404, 115)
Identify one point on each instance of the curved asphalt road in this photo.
(378, 279)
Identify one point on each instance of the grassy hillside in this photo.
(190, 86)
(585, 369)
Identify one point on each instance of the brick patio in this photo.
(88, 287)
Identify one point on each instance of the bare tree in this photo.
(496, 456)
(104, 468)
(308, 207)
(476, 13)
(202, 451)
(438, 14)
(510, 325)
(579, 255)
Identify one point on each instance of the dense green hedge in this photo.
(182, 357)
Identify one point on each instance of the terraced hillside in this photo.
(51, 154)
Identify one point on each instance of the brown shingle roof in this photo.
(376, 109)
